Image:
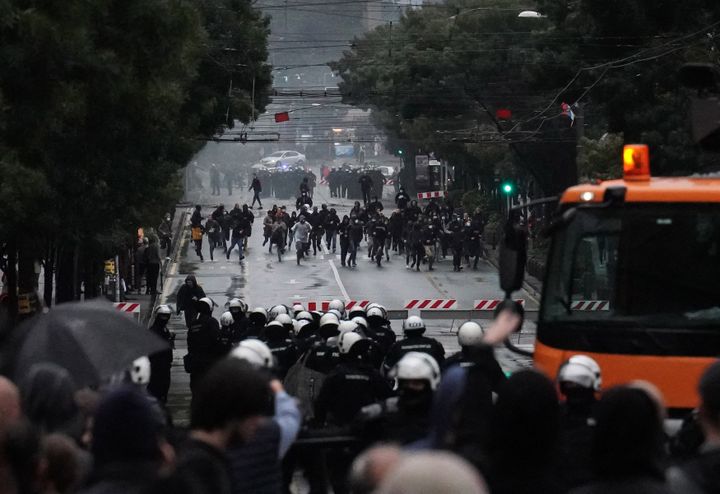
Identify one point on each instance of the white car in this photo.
(283, 158)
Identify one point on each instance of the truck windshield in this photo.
(650, 264)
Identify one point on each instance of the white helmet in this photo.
(163, 309)
(329, 319)
(375, 305)
(336, 312)
(285, 320)
(261, 311)
(413, 325)
(360, 321)
(140, 371)
(357, 310)
(580, 373)
(226, 319)
(297, 307)
(304, 315)
(416, 366)
(337, 305)
(239, 304)
(347, 326)
(298, 325)
(470, 333)
(207, 301)
(347, 340)
(375, 312)
(254, 351)
(591, 364)
(276, 310)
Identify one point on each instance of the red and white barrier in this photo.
(590, 305)
(431, 304)
(431, 195)
(324, 305)
(131, 309)
(323, 181)
(389, 181)
(491, 304)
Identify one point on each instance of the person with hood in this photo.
(701, 474)
(250, 217)
(357, 231)
(161, 362)
(203, 342)
(344, 231)
(214, 234)
(405, 418)
(187, 296)
(401, 198)
(267, 227)
(239, 237)
(628, 443)
(128, 445)
(277, 238)
(331, 224)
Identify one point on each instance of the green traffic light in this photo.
(400, 151)
(507, 188)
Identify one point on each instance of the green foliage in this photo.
(600, 159)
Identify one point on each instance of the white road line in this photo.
(338, 280)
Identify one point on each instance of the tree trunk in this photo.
(64, 288)
(50, 261)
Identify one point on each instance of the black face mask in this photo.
(412, 400)
(579, 399)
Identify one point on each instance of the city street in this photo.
(261, 280)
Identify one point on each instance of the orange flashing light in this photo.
(636, 162)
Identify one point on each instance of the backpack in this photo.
(197, 233)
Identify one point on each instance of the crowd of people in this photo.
(421, 235)
(338, 397)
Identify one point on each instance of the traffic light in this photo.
(399, 152)
(507, 187)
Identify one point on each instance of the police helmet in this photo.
(276, 329)
(163, 310)
(303, 328)
(258, 315)
(304, 316)
(591, 364)
(356, 311)
(336, 312)
(285, 320)
(580, 374)
(413, 325)
(376, 314)
(140, 371)
(316, 315)
(347, 340)
(297, 307)
(360, 321)
(276, 310)
(206, 301)
(329, 319)
(417, 366)
(237, 305)
(470, 333)
(347, 326)
(338, 305)
(255, 352)
(226, 319)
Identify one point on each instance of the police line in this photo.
(530, 315)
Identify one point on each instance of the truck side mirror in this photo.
(513, 255)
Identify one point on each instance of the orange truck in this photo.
(633, 279)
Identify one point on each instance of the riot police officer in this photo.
(379, 328)
(277, 338)
(225, 337)
(238, 309)
(405, 418)
(475, 353)
(203, 342)
(161, 362)
(414, 341)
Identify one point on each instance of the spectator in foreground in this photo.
(702, 473)
(228, 405)
(627, 451)
(433, 473)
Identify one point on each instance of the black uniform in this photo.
(344, 231)
(380, 234)
(204, 346)
(414, 343)
(187, 296)
(161, 362)
(402, 199)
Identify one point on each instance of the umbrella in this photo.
(90, 340)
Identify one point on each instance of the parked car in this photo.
(283, 158)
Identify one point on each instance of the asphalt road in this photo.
(261, 280)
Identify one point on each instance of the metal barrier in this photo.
(530, 315)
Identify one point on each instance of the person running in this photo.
(301, 232)
(256, 187)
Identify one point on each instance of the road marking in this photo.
(338, 280)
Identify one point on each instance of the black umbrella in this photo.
(91, 340)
